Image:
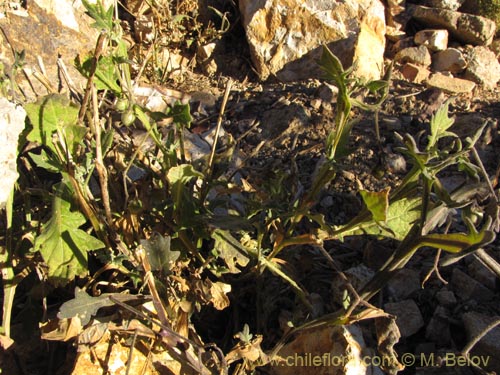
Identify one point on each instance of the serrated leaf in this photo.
(83, 306)
(230, 249)
(49, 114)
(400, 218)
(440, 123)
(62, 245)
(103, 18)
(377, 203)
(159, 254)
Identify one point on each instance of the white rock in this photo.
(435, 40)
(285, 36)
(445, 4)
(11, 125)
(450, 60)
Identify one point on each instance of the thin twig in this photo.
(99, 163)
(97, 54)
(219, 124)
(481, 334)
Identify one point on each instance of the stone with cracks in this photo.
(483, 67)
(450, 60)
(45, 31)
(285, 36)
(467, 28)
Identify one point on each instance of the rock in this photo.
(434, 40)
(483, 67)
(482, 273)
(48, 33)
(450, 84)
(409, 319)
(403, 284)
(416, 55)
(465, 287)
(489, 346)
(438, 329)
(283, 120)
(464, 27)
(415, 73)
(328, 350)
(446, 298)
(327, 92)
(450, 60)
(11, 125)
(495, 47)
(285, 36)
(445, 4)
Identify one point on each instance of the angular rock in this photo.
(445, 4)
(446, 298)
(438, 329)
(41, 32)
(435, 40)
(285, 36)
(466, 288)
(479, 271)
(464, 27)
(483, 67)
(11, 125)
(409, 319)
(403, 284)
(416, 55)
(450, 60)
(415, 73)
(450, 84)
(489, 346)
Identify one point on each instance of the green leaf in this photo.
(181, 114)
(178, 177)
(159, 254)
(83, 306)
(400, 218)
(457, 242)
(377, 203)
(103, 18)
(46, 162)
(106, 75)
(230, 249)
(62, 245)
(49, 114)
(440, 123)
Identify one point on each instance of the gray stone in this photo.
(286, 36)
(482, 273)
(403, 284)
(466, 288)
(464, 27)
(416, 55)
(446, 298)
(409, 319)
(450, 60)
(435, 40)
(450, 84)
(489, 346)
(483, 67)
(438, 329)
